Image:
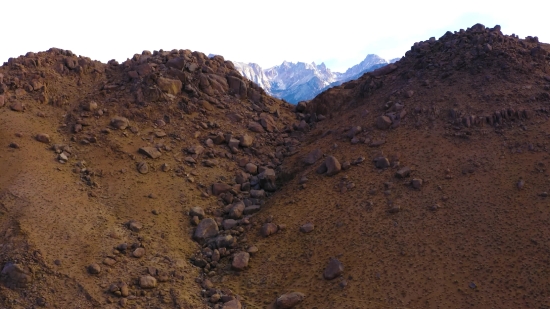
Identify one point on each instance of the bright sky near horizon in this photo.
(340, 33)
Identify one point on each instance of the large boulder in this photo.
(237, 86)
(207, 228)
(171, 86)
(176, 63)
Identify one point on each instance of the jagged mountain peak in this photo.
(299, 81)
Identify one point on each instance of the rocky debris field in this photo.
(170, 181)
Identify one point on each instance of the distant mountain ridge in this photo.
(295, 82)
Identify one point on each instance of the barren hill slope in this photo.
(101, 164)
(438, 194)
(170, 181)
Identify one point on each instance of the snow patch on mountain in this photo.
(295, 82)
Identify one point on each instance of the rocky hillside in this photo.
(426, 186)
(295, 82)
(107, 168)
(170, 181)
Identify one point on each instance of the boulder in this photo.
(332, 165)
(382, 162)
(151, 152)
(246, 140)
(232, 304)
(313, 156)
(236, 211)
(289, 300)
(321, 169)
(353, 131)
(43, 138)
(383, 122)
(89, 106)
(301, 107)
(240, 261)
(143, 167)
(267, 180)
(269, 229)
(197, 211)
(120, 123)
(306, 228)
(207, 228)
(255, 127)
(237, 86)
(176, 63)
(147, 282)
(403, 172)
(334, 269)
(219, 188)
(171, 86)
(16, 275)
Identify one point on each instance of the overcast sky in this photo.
(340, 33)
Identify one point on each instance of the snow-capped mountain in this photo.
(295, 82)
(255, 73)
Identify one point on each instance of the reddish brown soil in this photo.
(484, 246)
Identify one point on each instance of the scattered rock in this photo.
(334, 269)
(416, 183)
(17, 275)
(207, 228)
(232, 304)
(332, 165)
(17, 107)
(269, 229)
(383, 122)
(147, 282)
(520, 184)
(151, 152)
(240, 261)
(313, 156)
(135, 226)
(219, 188)
(138, 252)
(94, 269)
(143, 167)
(246, 140)
(43, 138)
(403, 172)
(197, 211)
(120, 123)
(306, 228)
(289, 300)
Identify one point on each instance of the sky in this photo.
(339, 33)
